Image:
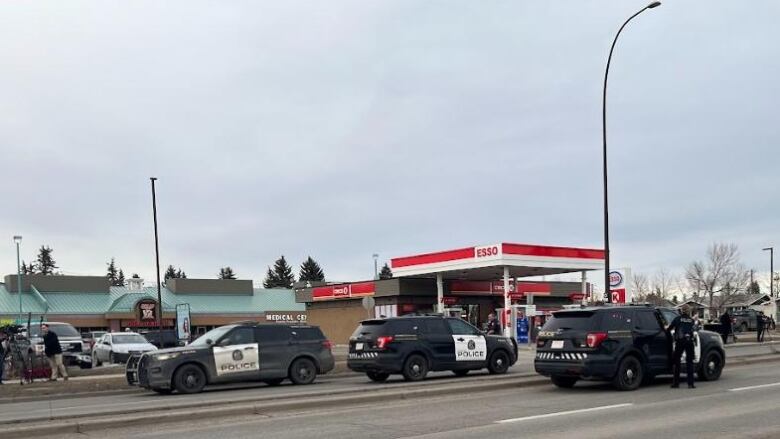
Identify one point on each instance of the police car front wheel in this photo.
(499, 362)
(189, 379)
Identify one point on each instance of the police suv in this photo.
(415, 345)
(240, 352)
(627, 345)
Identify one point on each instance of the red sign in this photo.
(147, 310)
(145, 323)
(344, 291)
(619, 295)
(449, 300)
(576, 297)
(497, 288)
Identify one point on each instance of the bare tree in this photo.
(721, 274)
(664, 283)
(641, 286)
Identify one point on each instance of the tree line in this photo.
(280, 276)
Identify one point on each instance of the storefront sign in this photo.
(449, 300)
(286, 317)
(488, 252)
(145, 323)
(346, 291)
(147, 310)
(496, 288)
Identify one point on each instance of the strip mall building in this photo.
(471, 282)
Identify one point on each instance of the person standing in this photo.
(3, 350)
(760, 327)
(493, 326)
(725, 326)
(683, 327)
(53, 351)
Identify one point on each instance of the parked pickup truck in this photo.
(745, 320)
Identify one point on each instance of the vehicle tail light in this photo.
(540, 343)
(595, 338)
(383, 341)
(327, 344)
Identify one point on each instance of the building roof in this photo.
(124, 300)
(746, 300)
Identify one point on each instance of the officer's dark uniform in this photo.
(683, 326)
(759, 327)
(494, 327)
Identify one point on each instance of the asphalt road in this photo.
(62, 406)
(742, 404)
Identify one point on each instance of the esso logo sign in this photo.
(487, 251)
(615, 279)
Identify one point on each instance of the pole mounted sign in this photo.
(618, 285)
(183, 328)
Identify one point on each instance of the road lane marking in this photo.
(761, 386)
(570, 412)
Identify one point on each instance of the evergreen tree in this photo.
(170, 273)
(28, 269)
(281, 276)
(226, 273)
(181, 274)
(120, 278)
(270, 281)
(46, 263)
(311, 271)
(112, 273)
(386, 272)
(753, 288)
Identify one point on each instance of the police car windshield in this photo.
(570, 320)
(214, 335)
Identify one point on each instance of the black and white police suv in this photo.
(415, 345)
(627, 345)
(240, 352)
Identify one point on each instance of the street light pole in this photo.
(604, 137)
(157, 257)
(771, 271)
(376, 272)
(18, 241)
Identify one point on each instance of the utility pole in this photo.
(771, 270)
(157, 257)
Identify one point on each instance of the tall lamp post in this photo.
(376, 272)
(157, 258)
(771, 251)
(604, 136)
(18, 241)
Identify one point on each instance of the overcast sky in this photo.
(343, 128)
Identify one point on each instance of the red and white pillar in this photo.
(439, 293)
(508, 330)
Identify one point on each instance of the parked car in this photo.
(414, 345)
(745, 320)
(627, 345)
(90, 338)
(73, 347)
(115, 347)
(247, 351)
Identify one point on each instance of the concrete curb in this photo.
(255, 408)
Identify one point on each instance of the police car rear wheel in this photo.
(415, 368)
(499, 362)
(711, 366)
(189, 379)
(378, 377)
(629, 375)
(303, 371)
(563, 382)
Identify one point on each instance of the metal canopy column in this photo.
(584, 287)
(439, 293)
(508, 330)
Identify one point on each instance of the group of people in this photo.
(51, 348)
(763, 324)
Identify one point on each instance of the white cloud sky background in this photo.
(341, 129)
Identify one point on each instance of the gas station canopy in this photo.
(490, 261)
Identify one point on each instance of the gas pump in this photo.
(521, 318)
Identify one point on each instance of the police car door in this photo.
(236, 356)
(470, 344)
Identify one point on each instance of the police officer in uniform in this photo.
(683, 327)
(493, 325)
